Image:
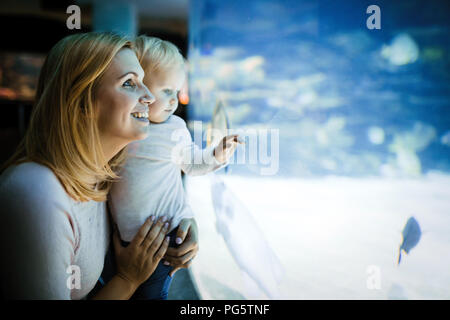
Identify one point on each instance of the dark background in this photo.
(34, 26)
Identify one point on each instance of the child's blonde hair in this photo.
(157, 55)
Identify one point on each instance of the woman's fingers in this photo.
(190, 242)
(153, 245)
(160, 227)
(182, 256)
(142, 233)
(138, 261)
(182, 250)
(175, 269)
(177, 255)
(162, 250)
(187, 230)
(181, 260)
(182, 231)
(178, 267)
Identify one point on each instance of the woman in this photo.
(55, 230)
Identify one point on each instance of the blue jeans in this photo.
(156, 287)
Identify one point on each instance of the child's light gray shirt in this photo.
(151, 181)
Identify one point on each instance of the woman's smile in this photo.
(121, 96)
(140, 116)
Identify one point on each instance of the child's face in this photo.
(165, 86)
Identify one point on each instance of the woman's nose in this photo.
(148, 97)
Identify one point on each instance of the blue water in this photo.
(325, 81)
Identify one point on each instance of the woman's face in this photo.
(122, 101)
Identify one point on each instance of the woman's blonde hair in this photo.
(157, 55)
(63, 133)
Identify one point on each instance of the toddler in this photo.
(151, 181)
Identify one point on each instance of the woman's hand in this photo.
(187, 236)
(137, 261)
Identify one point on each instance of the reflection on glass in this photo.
(18, 75)
(219, 125)
(364, 123)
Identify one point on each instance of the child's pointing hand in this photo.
(226, 147)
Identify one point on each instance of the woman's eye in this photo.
(167, 91)
(129, 83)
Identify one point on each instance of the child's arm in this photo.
(225, 149)
(196, 161)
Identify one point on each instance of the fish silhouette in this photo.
(245, 240)
(411, 236)
(219, 126)
(445, 139)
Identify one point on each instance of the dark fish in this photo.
(411, 236)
